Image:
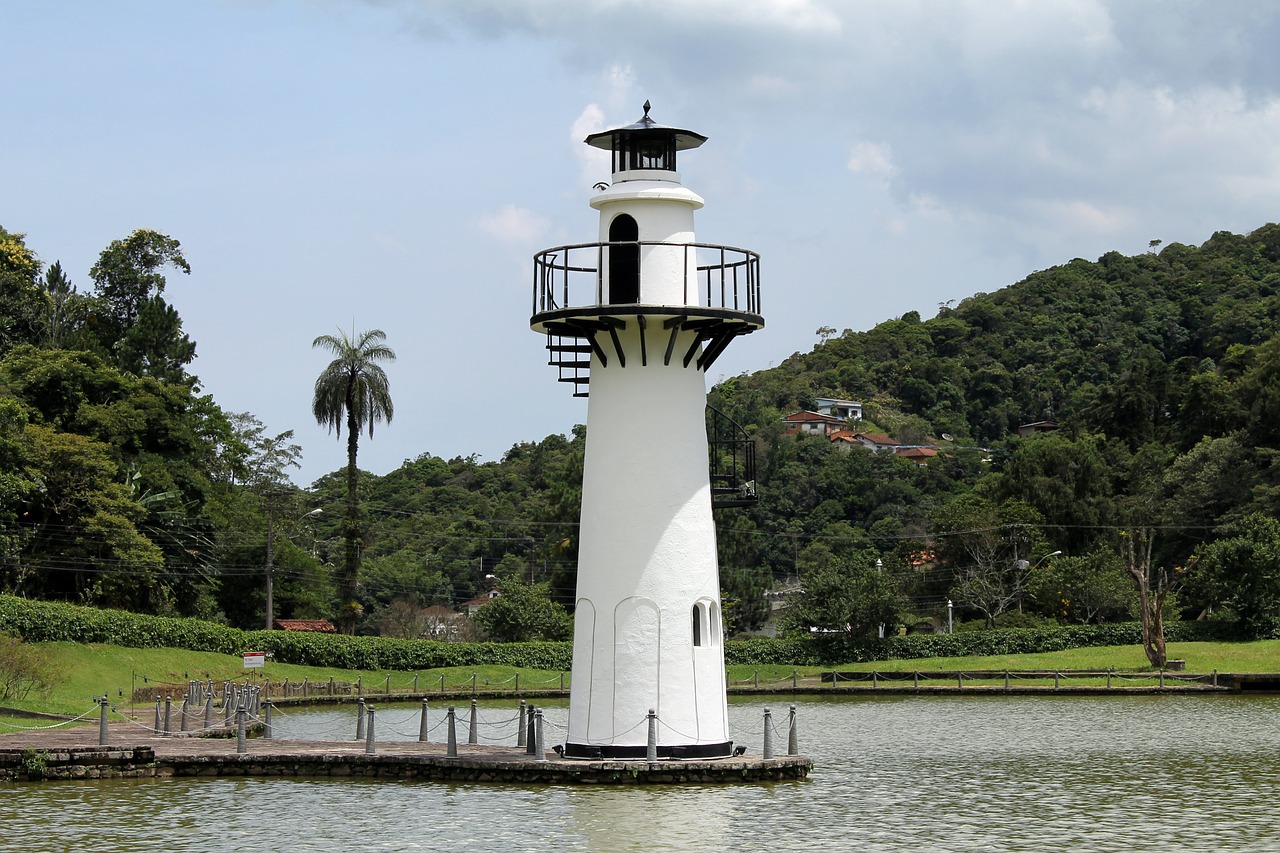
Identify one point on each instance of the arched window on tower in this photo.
(697, 625)
(624, 261)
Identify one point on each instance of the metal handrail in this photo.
(731, 281)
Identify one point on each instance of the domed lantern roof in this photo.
(645, 145)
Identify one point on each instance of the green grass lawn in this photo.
(81, 672)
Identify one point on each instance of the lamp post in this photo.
(271, 569)
(950, 627)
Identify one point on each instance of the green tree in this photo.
(990, 549)
(22, 304)
(1087, 589)
(353, 390)
(849, 595)
(1242, 571)
(142, 332)
(524, 612)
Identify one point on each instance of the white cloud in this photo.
(515, 225)
(872, 158)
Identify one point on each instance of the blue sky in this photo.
(395, 164)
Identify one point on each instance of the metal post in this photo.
(960, 680)
(102, 721)
(359, 685)
(388, 687)
(1108, 679)
(182, 716)
(228, 705)
(1162, 678)
(473, 684)
(442, 684)
(793, 679)
(755, 679)
(542, 748)
(835, 679)
(368, 743)
(531, 737)
(1215, 678)
(423, 728)
(415, 682)
(240, 715)
(520, 732)
(453, 734)
(562, 682)
(651, 747)
(793, 737)
(208, 710)
(1055, 679)
(267, 731)
(875, 679)
(157, 725)
(360, 712)
(473, 731)
(915, 679)
(768, 735)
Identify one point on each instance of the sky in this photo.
(395, 164)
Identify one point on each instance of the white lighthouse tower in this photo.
(634, 321)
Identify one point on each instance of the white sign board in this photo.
(255, 660)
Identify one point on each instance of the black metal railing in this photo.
(733, 461)
(720, 277)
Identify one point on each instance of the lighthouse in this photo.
(633, 321)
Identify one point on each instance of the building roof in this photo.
(323, 626)
(810, 417)
(875, 438)
(916, 452)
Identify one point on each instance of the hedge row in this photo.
(1013, 641)
(46, 621)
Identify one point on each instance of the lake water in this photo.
(892, 773)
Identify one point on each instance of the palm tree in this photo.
(353, 388)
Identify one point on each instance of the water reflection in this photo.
(892, 774)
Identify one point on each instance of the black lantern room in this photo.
(646, 145)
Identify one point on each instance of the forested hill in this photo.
(1161, 346)
(121, 485)
(1161, 370)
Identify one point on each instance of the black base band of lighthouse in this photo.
(639, 753)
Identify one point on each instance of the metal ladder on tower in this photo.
(571, 356)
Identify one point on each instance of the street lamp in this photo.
(950, 626)
(271, 569)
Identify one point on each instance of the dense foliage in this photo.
(121, 485)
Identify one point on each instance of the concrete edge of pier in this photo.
(70, 754)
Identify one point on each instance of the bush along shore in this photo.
(45, 621)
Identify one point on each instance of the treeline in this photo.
(1162, 372)
(122, 485)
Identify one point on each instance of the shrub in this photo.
(44, 621)
(22, 668)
